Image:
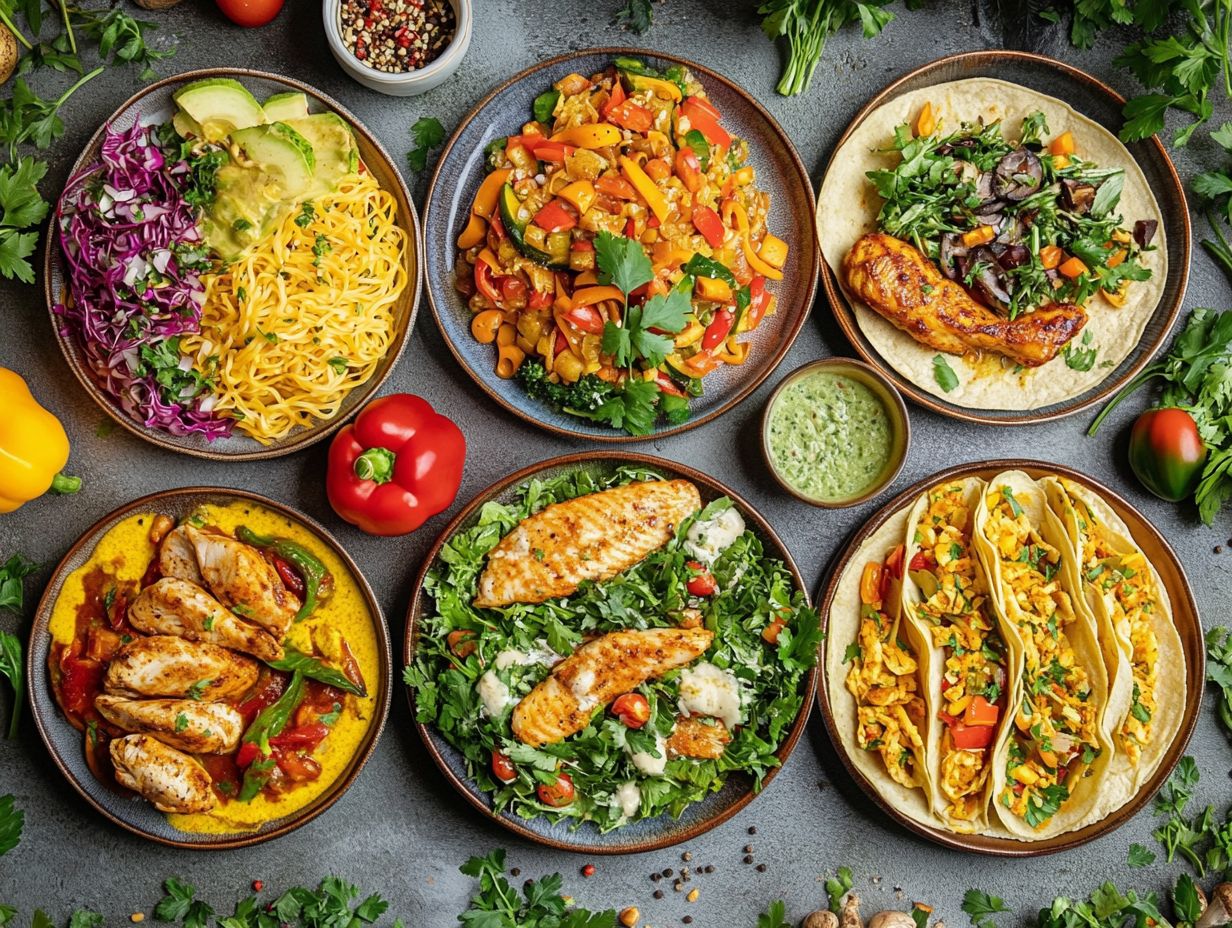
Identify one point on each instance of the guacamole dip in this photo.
(829, 436)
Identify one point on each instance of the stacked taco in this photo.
(1026, 637)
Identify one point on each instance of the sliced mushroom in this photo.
(952, 248)
(1144, 231)
(1010, 230)
(984, 189)
(1077, 196)
(1013, 256)
(1018, 175)
(990, 281)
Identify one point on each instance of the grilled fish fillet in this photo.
(196, 727)
(177, 607)
(598, 672)
(170, 779)
(891, 276)
(241, 578)
(167, 665)
(592, 537)
(176, 557)
(703, 739)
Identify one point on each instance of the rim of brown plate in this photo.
(897, 412)
(747, 387)
(311, 435)
(414, 611)
(843, 313)
(1195, 665)
(384, 647)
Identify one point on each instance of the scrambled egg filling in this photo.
(1127, 585)
(955, 610)
(883, 680)
(1055, 725)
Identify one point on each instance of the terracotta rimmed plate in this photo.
(154, 103)
(648, 834)
(780, 172)
(1097, 101)
(1185, 616)
(64, 742)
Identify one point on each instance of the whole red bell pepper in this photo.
(397, 465)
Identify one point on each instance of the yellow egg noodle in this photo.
(307, 314)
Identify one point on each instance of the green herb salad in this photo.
(619, 768)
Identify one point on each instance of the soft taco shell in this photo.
(932, 662)
(842, 629)
(848, 206)
(1096, 793)
(1170, 664)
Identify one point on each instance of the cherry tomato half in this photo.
(1167, 453)
(702, 582)
(558, 794)
(632, 709)
(250, 13)
(462, 642)
(503, 768)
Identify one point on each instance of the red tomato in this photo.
(702, 582)
(302, 736)
(249, 13)
(969, 737)
(704, 118)
(558, 794)
(289, 576)
(540, 300)
(870, 584)
(689, 169)
(632, 709)
(462, 642)
(586, 318)
(708, 223)
(299, 768)
(82, 681)
(981, 712)
(631, 116)
(513, 290)
(247, 753)
(502, 768)
(772, 631)
(1166, 452)
(718, 329)
(555, 217)
(617, 97)
(922, 560)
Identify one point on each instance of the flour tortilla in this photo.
(847, 208)
(843, 628)
(1099, 789)
(1170, 667)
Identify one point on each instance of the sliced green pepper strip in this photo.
(318, 581)
(297, 661)
(269, 723)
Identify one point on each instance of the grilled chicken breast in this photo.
(170, 779)
(242, 579)
(893, 278)
(593, 537)
(167, 665)
(176, 557)
(598, 672)
(177, 607)
(196, 727)
(699, 738)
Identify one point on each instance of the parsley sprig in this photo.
(428, 133)
(1219, 671)
(540, 904)
(12, 820)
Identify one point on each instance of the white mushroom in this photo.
(891, 920)
(1219, 911)
(822, 918)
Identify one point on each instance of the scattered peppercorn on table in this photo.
(402, 830)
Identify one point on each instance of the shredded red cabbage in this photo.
(134, 257)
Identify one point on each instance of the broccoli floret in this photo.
(589, 393)
(586, 395)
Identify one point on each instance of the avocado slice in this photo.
(220, 106)
(185, 125)
(283, 107)
(333, 144)
(509, 206)
(280, 152)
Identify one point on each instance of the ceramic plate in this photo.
(154, 103)
(1101, 103)
(64, 742)
(1184, 614)
(648, 834)
(780, 172)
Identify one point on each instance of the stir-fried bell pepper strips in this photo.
(295, 660)
(1167, 453)
(255, 753)
(397, 465)
(33, 447)
(318, 582)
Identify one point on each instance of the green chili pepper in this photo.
(269, 723)
(296, 660)
(318, 581)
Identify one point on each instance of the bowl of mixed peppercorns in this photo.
(399, 47)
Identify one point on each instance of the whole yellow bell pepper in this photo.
(33, 447)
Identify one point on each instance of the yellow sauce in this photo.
(125, 551)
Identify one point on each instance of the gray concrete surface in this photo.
(401, 830)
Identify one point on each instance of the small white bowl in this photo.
(409, 83)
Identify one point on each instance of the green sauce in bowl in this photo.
(829, 436)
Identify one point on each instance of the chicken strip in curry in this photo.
(167, 665)
(187, 724)
(596, 673)
(592, 537)
(177, 607)
(244, 581)
(904, 287)
(170, 779)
